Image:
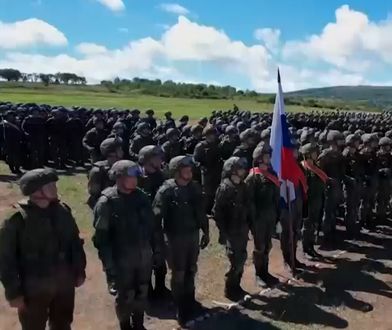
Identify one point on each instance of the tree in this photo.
(10, 74)
(45, 78)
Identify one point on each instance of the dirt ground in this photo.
(350, 289)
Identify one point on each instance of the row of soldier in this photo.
(241, 192)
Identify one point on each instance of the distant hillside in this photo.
(380, 96)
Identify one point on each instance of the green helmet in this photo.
(124, 168)
(385, 142)
(148, 152)
(110, 145)
(34, 180)
(308, 148)
(232, 165)
(334, 136)
(179, 162)
(262, 149)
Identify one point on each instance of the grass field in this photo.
(98, 97)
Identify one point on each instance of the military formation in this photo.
(153, 188)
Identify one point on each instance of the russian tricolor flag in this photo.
(282, 160)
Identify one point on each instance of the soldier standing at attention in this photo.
(231, 216)
(41, 255)
(264, 195)
(178, 204)
(124, 229)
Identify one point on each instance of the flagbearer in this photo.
(317, 180)
(264, 193)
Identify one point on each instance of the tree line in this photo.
(57, 78)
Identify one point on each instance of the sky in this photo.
(315, 43)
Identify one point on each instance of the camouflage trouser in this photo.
(262, 231)
(132, 280)
(183, 256)
(76, 151)
(236, 244)
(57, 309)
(210, 184)
(13, 155)
(333, 198)
(383, 197)
(368, 200)
(295, 219)
(352, 192)
(58, 150)
(312, 221)
(37, 154)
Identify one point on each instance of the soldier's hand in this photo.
(18, 303)
(205, 240)
(80, 281)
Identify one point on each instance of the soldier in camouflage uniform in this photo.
(41, 255)
(384, 158)
(124, 230)
(93, 139)
(142, 138)
(248, 144)
(229, 142)
(179, 205)
(172, 147)
(264, 194)
(317, 180)
(332, 163)
(352, 183)
(152, 178)
(231, 214)
(98, 177)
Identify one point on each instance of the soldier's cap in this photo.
(110, 145)
(35, 179)
(184, 118)
(168, 114)
(180, 162)
(385, 141)
(150, 112)
(308, 148)
(124, 168)
(148, 152)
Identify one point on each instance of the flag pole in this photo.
(291, 234)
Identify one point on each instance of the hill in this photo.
(378, 96)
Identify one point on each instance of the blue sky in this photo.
(241, 43)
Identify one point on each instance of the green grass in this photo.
(97, 97)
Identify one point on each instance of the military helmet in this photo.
(231, 130)
(351, 139)
(168, 114)
(123, 168)
(110, 145)
(196, 129)
(308, 148)
(35, 179)
(184, 118)
(179, 162)
(384, 141)
(210, 130)
(148, 152)
(232, 165)
(265, 134)
(262, 149)
(143, 127)
(368, 138)
(150, 112)
(172, 132)
(247, 134)
(334, 136)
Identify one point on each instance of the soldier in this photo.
(41, 255)
(229, 142)
(353, 181)
(245, 149)
(317, 180)
(169, 123)
(179, 204)
(75, 132)
(152, 178)
(332, 163)
(12, 138)
(264, 195)
(150, 119)
(368, 158)
(384, 158)
(56, 128)
(98, 177)
(172, 147)
(189, 144)
(207, 154)
(124, 230)
(142, 138)
(230, 212)
(183, 122)
(93, 139)
(118, 132)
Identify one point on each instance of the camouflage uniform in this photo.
(41, 258)
(124, 230)
(384, 159)
(230, 212)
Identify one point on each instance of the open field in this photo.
(98, 97)
(350, 289)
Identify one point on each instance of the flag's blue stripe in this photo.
(286, 138)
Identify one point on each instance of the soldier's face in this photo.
(128, 183)
(156, 163)
(49, 191)
(266, 159)
(314, 156)
(386, 148)
(241, 173)
(99, 125)
(186, 174)
(211, 138)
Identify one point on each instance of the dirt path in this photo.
(351, 288)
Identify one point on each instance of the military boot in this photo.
(234, 292)
(266, 277)
(160, 291)
(138, 321)
(183, 314)
(125, 325)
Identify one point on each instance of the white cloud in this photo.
(123, 30)
(351, 42)
(114, 5)
(174, 8)
(270, 37)
(87, 48)
(30, 33)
